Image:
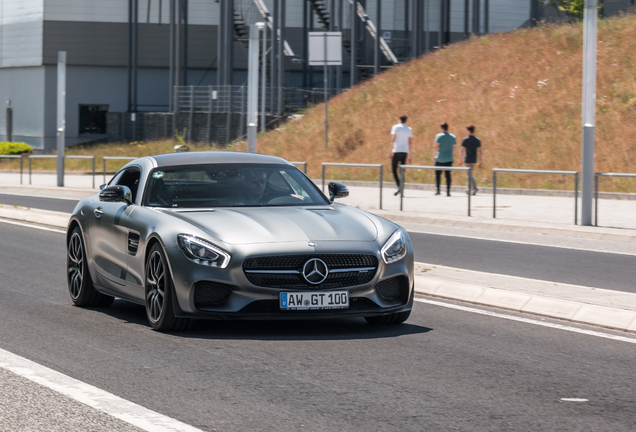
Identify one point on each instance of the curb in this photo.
(583, 313)
(43, 217)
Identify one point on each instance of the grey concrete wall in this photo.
(21, 32)
(24, 87)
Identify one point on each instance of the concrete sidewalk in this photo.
(525, 219)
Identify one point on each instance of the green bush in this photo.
(11, 148)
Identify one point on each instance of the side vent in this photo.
(133, 243)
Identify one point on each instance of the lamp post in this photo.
(588, 117)
(252, 86)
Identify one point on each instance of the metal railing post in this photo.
(29, 170)
(494, 194)
(104, 160)
(402, 183)
(576, 198)
(93, 172)
(21, 164)
(381, 177)
(470, 173)
(595, 199)
(323, 178)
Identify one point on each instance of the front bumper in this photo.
(248, 301)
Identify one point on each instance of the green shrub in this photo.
(11, 148)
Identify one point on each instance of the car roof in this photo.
(208, 157)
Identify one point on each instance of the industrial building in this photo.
(152, 68)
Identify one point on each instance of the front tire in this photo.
(80, 284)
(159, 307)
(390, 319)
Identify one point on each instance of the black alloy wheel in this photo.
(80, 285)
(159, 308)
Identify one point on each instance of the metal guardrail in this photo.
(326, 164)
(107, 158)
(31, 157)
(304, 164)
(525, 171)
(596, 176)
(403, 169)
(15, 157)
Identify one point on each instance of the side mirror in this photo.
(116, 194)
(337, 190)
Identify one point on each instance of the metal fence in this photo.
(223, 99)
(524, 171)
(15, 157)
(326, 164)
(596, 176)
(403, 169)
(31, 157)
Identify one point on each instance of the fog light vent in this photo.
(394, 289)
(210, 293)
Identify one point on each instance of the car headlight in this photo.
(395, 248)
(202, 252)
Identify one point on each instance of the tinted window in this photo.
(231, 185)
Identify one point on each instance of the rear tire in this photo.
(78, 278)
(158, 286)
(390, 319)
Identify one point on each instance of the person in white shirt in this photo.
(400, 149)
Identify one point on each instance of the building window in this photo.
(92, 119)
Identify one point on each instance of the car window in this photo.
(130, 178)
(231, 185)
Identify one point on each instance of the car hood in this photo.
(250, 225)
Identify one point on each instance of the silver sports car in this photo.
(226, 235)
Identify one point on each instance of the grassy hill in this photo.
(522, 90)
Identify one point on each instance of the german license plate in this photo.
(314, 300)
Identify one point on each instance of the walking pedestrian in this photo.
(444, 146)
(471, 156)
(400, 149)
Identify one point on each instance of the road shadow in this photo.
(310, 329)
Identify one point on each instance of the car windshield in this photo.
(231, 185)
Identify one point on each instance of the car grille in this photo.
(269, 306)
(208, 293)
(256, 270)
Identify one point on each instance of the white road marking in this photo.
(527, 320)
(98, 399)
(521, 242)
(574, 400)
(32, 226)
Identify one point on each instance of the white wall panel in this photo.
(201, 12)
(21, 32)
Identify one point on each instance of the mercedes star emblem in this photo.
(315, 271)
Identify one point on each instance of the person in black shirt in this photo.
(471, 156)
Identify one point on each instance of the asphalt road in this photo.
(442, 370)
(53, 204)
(593, 269)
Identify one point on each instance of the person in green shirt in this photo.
(444, 146)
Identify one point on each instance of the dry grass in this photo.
(521, 89)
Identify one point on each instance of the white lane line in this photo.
(32, 226)
(521, 242)
(87, 394)
(527, 320)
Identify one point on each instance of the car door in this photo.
(109, 233)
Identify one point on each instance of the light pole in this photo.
(252, 86)
(588, 117)
(61, 115)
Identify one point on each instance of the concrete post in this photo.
(61, 115)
